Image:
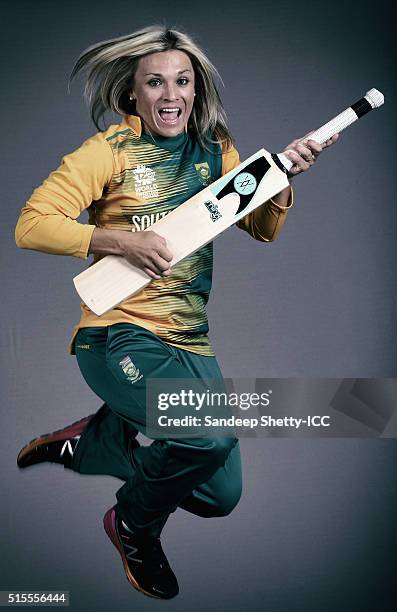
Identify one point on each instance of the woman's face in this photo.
(164, 92)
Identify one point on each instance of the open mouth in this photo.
(169, 114)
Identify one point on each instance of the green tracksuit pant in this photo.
(200, 475)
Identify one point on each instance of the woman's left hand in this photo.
(304, 152)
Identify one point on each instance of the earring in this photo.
(132, 98)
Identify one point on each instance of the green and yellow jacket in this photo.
(127, 180)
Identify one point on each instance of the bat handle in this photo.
(372, 99)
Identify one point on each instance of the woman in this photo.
(171, 142)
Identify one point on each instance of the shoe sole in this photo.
(60, 434)
(109, 524)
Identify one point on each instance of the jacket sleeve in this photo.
(48, 220)
(266, 221)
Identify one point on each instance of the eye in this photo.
(154, 82)
(183, 81)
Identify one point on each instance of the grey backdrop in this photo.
(314, 529)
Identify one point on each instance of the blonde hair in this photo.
(111, 66)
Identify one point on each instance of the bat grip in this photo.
(372, 99)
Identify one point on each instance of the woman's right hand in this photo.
(147, 251)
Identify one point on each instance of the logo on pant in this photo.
(130, 370)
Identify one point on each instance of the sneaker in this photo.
(56, 447)
(145, 563)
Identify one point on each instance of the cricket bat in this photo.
(208, 213)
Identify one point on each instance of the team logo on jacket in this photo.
(145, 182)
(204, 173)
(130, 370)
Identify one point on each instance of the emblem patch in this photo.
(204, 173)
(130, 370)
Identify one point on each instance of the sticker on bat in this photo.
(245, 183)
(213, 209)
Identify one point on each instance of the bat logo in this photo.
(213, 209)
(245, 183)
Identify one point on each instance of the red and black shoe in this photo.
(145, 563)
(55, 447)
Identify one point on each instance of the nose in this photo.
(170, 92)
